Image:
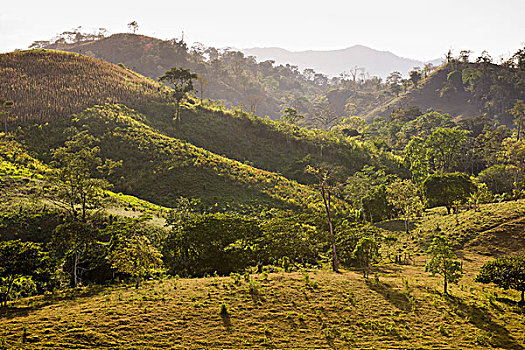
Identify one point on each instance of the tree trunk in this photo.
(522, 296)
(75, 269)
(137, 282)
(406, 225)
(519, 128)
(326, 200)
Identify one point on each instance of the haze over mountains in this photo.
(333, 62)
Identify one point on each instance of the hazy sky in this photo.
(417, 29)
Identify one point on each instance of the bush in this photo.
(209, 243)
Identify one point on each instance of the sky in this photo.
(417, 29)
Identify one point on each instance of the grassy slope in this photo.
(495, 229)
(403, 310)
(26, 215)
(267, 144)
(160, 169)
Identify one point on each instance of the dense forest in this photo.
(158, 165)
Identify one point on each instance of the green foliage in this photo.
(348, 235)
(209, 243)
(376, 205)
(18, 260)
(444, 189)
(297, 238)
(136, 256)
(291, 116)
(403, 195)
(498, 178)
(506, 272)
(444, 148)
(366, 250)
(443, 262)
(73, 184)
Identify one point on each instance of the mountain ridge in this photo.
(356, 54)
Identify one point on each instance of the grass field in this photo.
(402, 308)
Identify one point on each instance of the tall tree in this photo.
(444, 147)
(416, 159)
(403, 195)
(394, 82)
(443, 262)
(323, 176)
(77, 185)
(74, 188)
(181, 82)
(518, 112)
(415, 76)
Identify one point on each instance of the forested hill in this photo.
(459, 87)
(462, 89)
(226, 75)
(214, 155)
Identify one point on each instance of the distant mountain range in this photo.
(334, 62)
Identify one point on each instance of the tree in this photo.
(324, 115)
(375, 204)
(416, 159)
(427, 69)
(513, 153)
(402, 194)
(136, 256)
(5, 106)
(73, 187)
(445, 189)
(415, 76)
(444, 147)
(19, 259)
(464, 55)
(291, 116)
(181, 82)
(518, 112)
(443, 262)
(210, 243)
(506, 272)
(323, 176)
(394, 82)
(365, 252)
(133, 26)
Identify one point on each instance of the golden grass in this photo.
(402, 310)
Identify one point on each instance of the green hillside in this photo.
(160, 169)
(158, 166)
